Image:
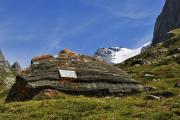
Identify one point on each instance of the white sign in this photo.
(67, 74)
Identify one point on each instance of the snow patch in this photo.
(115, 55)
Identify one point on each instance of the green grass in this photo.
(170, 72)
(160, 53)
(166, 73)
(66, 107)
(86, 108)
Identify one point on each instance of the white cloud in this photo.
(130, 9)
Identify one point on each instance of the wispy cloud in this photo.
(62, 34)
(132, 14)
(130, 9)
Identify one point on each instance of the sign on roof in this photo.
(67, 74)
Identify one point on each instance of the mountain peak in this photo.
(2, 58)
(115, 55)
(3, 61)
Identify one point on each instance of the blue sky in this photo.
(32, 27)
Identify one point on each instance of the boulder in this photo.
(37, 59)
(72, 73)
(149, 75)
(177, 85)
(149, 88)
(155, 80)
(152, 97)
(137, 62)
(68, 53)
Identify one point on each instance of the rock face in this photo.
(3, 61)
(7, 77)
(86, 75)
(168, 20)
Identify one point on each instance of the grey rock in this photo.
(16, 66)
(9, 81)
(154, 80)
(149, 75)
(168, 20)
(94, 78)
(175, 51)
(3, 61)
(152, 97)
(177, 84)
(149, 88)
(137, 62)
(176, 55)
(7, 77)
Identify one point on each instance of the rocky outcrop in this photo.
(175, 51)
(168, 20)
(7, 77)
(87, 75)
(177, 84)
(3, 61)
(150, 88)
(152, 97)
(16, 66)
(138, 62)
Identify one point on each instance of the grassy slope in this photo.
(80, 107)
(159, 54)
(127, 108)
(67, 107)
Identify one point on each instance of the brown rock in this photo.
(40, 58)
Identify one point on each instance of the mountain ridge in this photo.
(115, 55)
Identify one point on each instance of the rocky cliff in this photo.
(168, 20)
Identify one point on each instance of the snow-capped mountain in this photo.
(117, 55)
